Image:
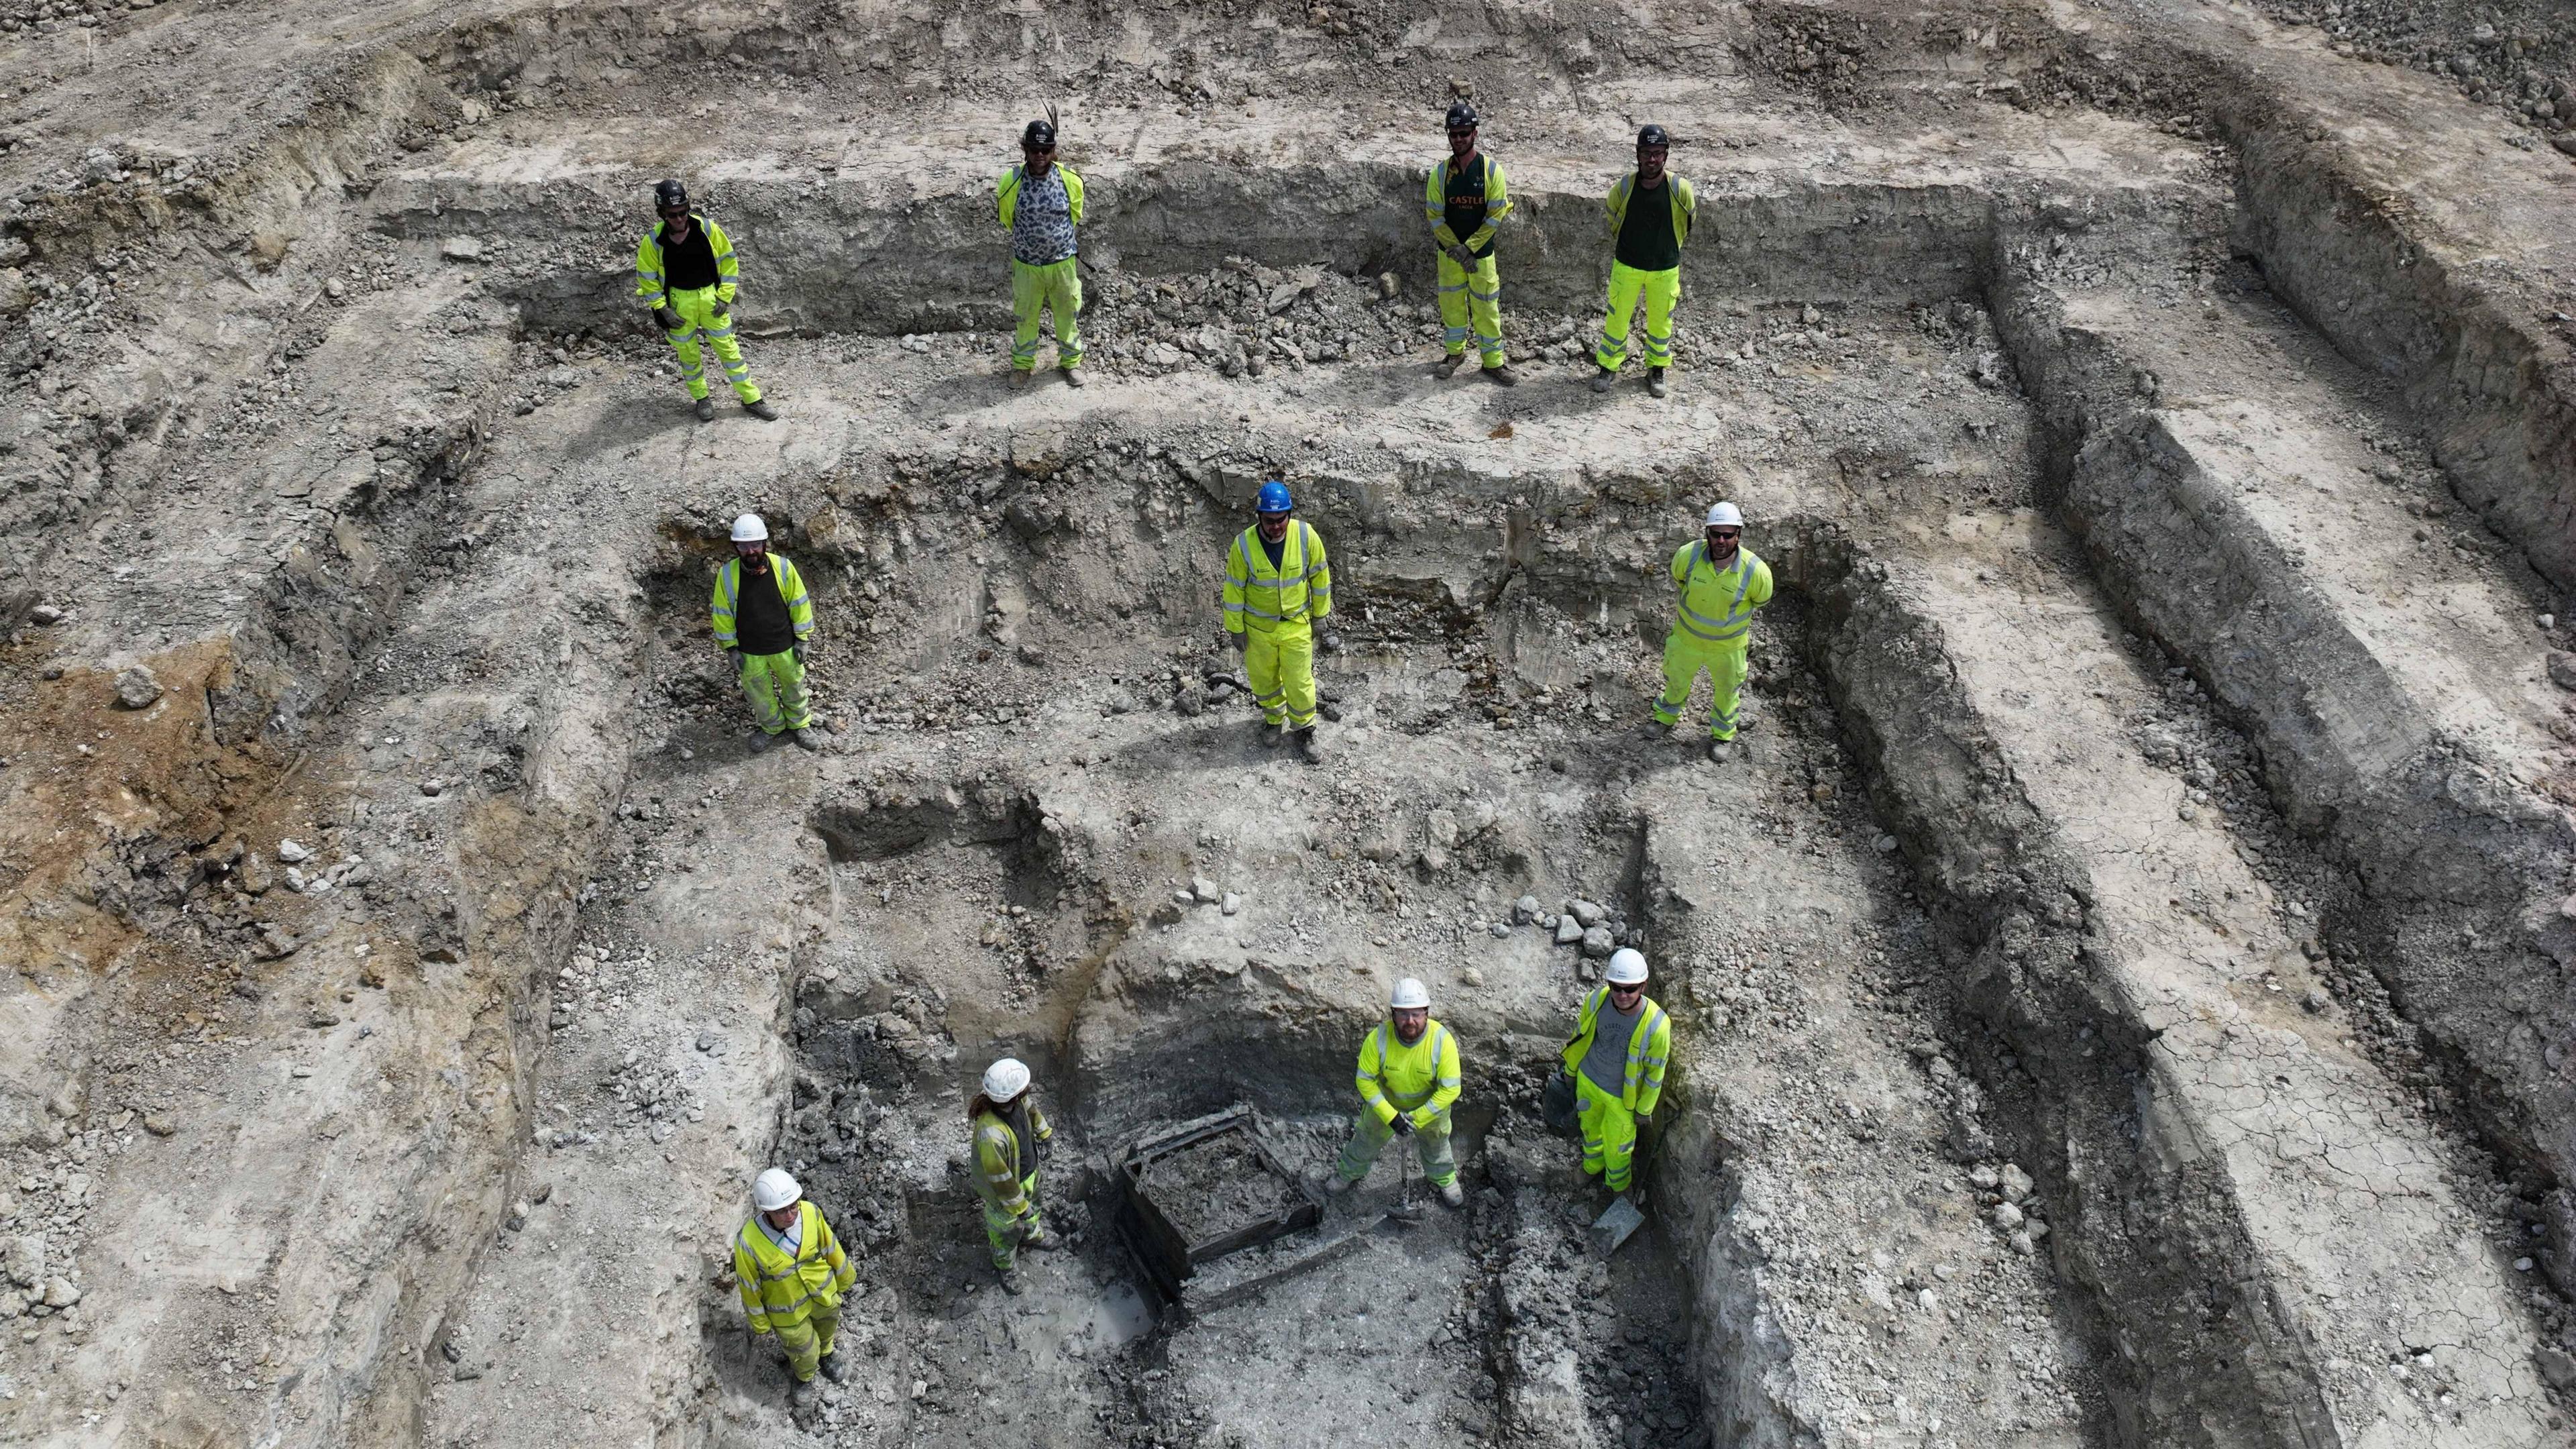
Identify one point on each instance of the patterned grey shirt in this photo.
(1042, 220)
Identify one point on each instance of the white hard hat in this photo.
(774, 1189)
(1719, 515)
(749, 529)
(1006, 1079)
(1627, 968)
(1409, 996)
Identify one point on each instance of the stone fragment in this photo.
(1598, 942)
(45, 615)
(2554, 1363)
(136, 688)
(518, 1220)
(1884, 844)
(1568, 930)
(1498, 930)
(1231, 904)
(291, 853)
(462, 249)
(1204, 890)
(24, 1258)
(2007, 1216)
(1389, 285)
(2316, 1000)
(60, 1294)
(2562, 669)
(1471, 977)
(1525, 910)
(1588, 913)
(1433, 860)
(159, 1125)
(433, 787)
(1444, 829)
(2016, 1183)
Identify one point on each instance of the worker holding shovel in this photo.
(1617, 1055)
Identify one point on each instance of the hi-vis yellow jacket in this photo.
(1650, 1046)
(1717, 604)
(1263, 598)
(1420, 1080)
(649, 286)
(779, 1291)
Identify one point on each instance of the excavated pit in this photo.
(2117, 984)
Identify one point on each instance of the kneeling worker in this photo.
(792, 1274)
(1617, 1056)
(1408, 1076)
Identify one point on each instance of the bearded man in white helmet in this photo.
(1010, 1136)
(1621, 1043)
(763, 616)
(1408, 1076)
(792, 1273)
(1721, 583)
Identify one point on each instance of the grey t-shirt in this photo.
(1042, 220)
(1607, 1062)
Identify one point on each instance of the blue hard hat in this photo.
(1273, 498)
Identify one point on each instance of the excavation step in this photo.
(2400, 1324)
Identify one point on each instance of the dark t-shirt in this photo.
(688, 265)
(1646, 239)
(760, 622)
(1462, 196)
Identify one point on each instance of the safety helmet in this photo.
(1462, 116)
(669, 194)
(1273, 498)
(1627, 968)
(774, 1189)
(1652, 136)
(749, 529)
(1006, 1079)
(1724, 515)
(1039, 135)
(1409, 995)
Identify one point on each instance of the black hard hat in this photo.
(1040, 134)
(669, 194)
(1652, 136)
(1462, 117)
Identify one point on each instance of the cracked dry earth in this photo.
(2120, 982)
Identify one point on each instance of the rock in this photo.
(1884, 844)
(2565, 141)
(45, 615)
(290, 852)
(137, 689)
(1525, 910)
(541, 1192)
(1984, 1178)
(707, 1041)
(159, 1125)
(915, 342)
(24, 1258)
(321, 1018)
(1432, 860)
(1204, 890)
(1444, 829)
(1588, 913)
(433, 787)
(2016, 1183)
(1231, 903)
(462, 249)
(59, 1293)
(1568, 931)
(70, 1099)
(2007, 1216)
(335, 289)
(2554, 1363)
(1471, 977)
(1598, 942)
(2020, 1242)
(467, 1373)
(518, 1220)
(254, 875)
(2316, 1000)
(1499, 931)
(1389, 285)
(2562, 669)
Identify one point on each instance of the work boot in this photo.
(1019, 379)
(1043, 1242)
(1604, 380)
(1448, 366)
(1655, 384)
(805, 739)
(1720, 751)
(1653, 730)
(706, 409)
(802, 1396)
(1307, 748)
(1013, 1283)
(1454, 1195)
(1272, 736)
(762, 742)
(1501, 375)
(836, 1368)
(760, 408)
(1073, 377)
(1340, 1186)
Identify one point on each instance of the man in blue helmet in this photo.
(1276, 585)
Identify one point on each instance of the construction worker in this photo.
(763, 616)
(1041, 204)
(1617, 1056)
(1408, 1076)
(792, 1273)
(1650, 217)
(1464, 198)
(1010, 1135)
(686, 272)
(1277, 584)
(1721, 584)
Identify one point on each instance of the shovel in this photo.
(1406, 1211)
(1623, 1217)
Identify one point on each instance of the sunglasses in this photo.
(1627, 990)
(1469, 131)
(1726, 533)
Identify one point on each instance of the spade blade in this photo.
(1615, 1224)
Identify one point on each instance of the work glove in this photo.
(1241, 641)
(1645, 1120)
(798, 649)
(720, 311)
(1464, 255)
(671, 321)
(1402, 1124)
(1046, 1148)
(734, 658)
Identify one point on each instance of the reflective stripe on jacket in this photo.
(649, 286)
(1260, 596)
(1435, 204)
(999, 1173)
(1717, 604)
(1420, 1080)
(791, 588)
(1649, 1047)
(777, 1289)
(1006, 193)
(1685, 205)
